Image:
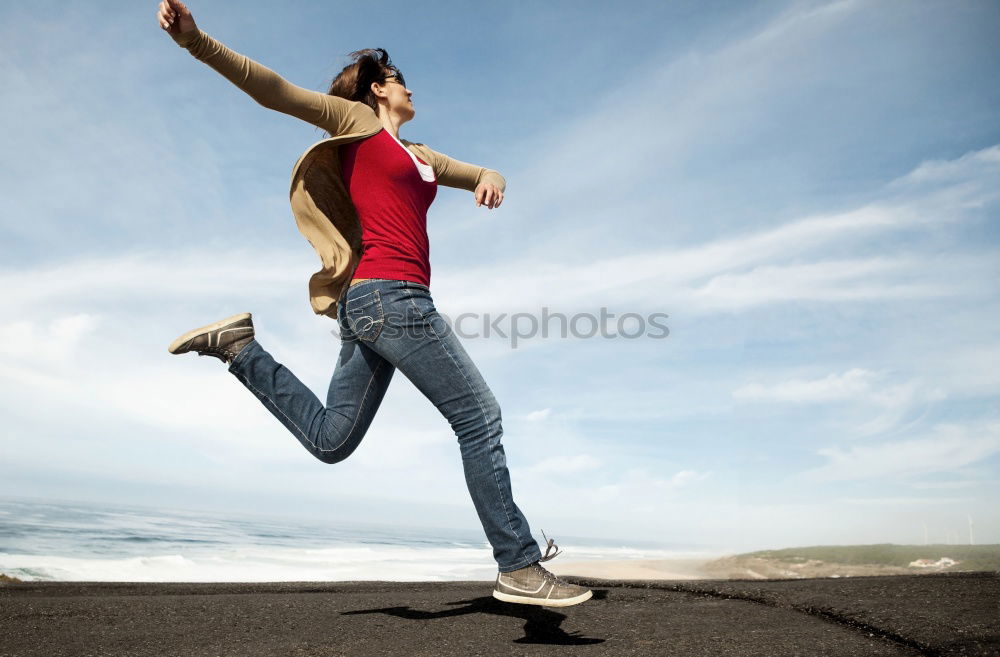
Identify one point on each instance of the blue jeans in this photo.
(384, 325)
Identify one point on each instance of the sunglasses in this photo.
(396, 77)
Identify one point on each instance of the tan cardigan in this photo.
(320, 202)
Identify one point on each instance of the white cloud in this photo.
(639, 484)
(948, 485)
(685, 477)
(894, 400)
(833, 387)
(155, 279)
(960, 169)
(946, 448)
(876, 279)
(902, 501)
(565, 465)
(50, 341)
(762, 266)
(535, 416)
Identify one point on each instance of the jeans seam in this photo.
(364, 398)
(270, 401)
(362, 296)
(522, 563)
(482, 409)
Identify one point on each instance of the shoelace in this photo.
(221, 353)
(546, 574)
(549, 544)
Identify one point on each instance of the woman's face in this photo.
(397, 97)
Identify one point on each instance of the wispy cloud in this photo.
(858, 386)
(903, 501)
(798, 260)
(851, 384)
(538, 415)
(566, 464)
(945, 448)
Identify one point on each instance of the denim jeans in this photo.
(387, 325)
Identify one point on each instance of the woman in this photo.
(361, 199)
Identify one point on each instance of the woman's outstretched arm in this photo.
(331, 113)
(487, 184)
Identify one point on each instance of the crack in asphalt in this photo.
(826, 614)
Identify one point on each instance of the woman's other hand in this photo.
(489, 195)
(175, 17)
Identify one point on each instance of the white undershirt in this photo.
(426, 172)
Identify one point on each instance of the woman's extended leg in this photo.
(331, 432)
(399, 321)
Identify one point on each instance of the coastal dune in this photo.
(796, 563)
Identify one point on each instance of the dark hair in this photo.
(355, 81)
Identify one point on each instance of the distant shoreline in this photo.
(790, 563)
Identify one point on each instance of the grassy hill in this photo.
(855, 560)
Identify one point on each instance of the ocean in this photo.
(75, 541)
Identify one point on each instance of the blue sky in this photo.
(807, 189)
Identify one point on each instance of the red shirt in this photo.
(392, 199)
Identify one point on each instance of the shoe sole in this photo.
(179, 342)
(542, 602)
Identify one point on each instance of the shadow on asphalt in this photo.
(541, 624)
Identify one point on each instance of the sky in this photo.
(808, 191)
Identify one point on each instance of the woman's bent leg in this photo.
(418, 341)
(332, 432)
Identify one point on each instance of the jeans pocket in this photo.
(364, 316)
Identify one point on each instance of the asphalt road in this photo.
(947, 614)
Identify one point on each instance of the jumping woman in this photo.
(361, 197)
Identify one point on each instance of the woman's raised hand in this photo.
(489, 195)
(175, 17)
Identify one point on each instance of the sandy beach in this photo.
(644, 569)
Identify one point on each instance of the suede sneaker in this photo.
(223, 339)
(534, 585)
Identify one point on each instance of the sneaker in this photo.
(223, 339)
(534, 585)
